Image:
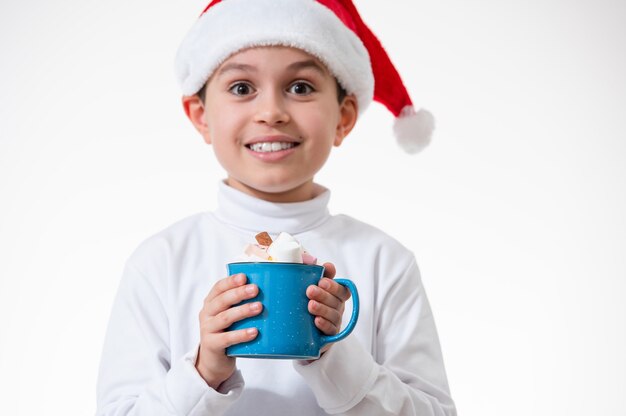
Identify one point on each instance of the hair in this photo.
(341, 92)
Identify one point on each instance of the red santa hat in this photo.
(330, 30)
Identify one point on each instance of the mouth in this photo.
(268, 147)
(271, 144)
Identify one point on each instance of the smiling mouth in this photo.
(267, 147)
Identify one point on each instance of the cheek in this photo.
(221, 123)
(321, 123)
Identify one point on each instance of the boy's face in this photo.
(272, 116)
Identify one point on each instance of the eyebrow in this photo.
(309, 63)
(235, 67)
(296, 66)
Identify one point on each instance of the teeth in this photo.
(271, 147)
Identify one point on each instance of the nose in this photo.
(271, 109)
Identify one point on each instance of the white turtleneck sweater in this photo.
(390, 365)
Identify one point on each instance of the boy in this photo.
(273, 85)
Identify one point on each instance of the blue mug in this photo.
(286, 327)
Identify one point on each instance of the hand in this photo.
(327, 303)
(218, 314)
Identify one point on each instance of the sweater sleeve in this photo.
(404, 376)
(137, 374)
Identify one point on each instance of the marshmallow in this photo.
(308, 259)
(256, 252)
(285, 251)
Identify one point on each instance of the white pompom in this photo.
(413, 130)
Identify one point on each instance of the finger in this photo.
(228, 317)
(229, 298)
(329, 270)
(327, 327)
(317, 293)
(222, 340)
(320, 310)
(335, 289)
(225, 284)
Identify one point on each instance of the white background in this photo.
(516, 211)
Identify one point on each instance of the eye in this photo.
(301, 88)
(241, 88)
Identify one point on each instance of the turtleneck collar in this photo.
(248, 213)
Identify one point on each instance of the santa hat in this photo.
(330, 30)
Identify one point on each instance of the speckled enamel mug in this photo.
(286, 327)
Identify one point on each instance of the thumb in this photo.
(329, 270)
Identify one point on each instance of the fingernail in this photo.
(255, 306)
(251, 331)
(325, 284)
(250, 289)
(240, 278)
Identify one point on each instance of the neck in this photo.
(301, 193)
(245, 212)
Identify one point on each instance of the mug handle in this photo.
(327, 339)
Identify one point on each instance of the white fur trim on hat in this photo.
(233, 25)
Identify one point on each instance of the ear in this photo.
(194, 108)
(348, 113)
